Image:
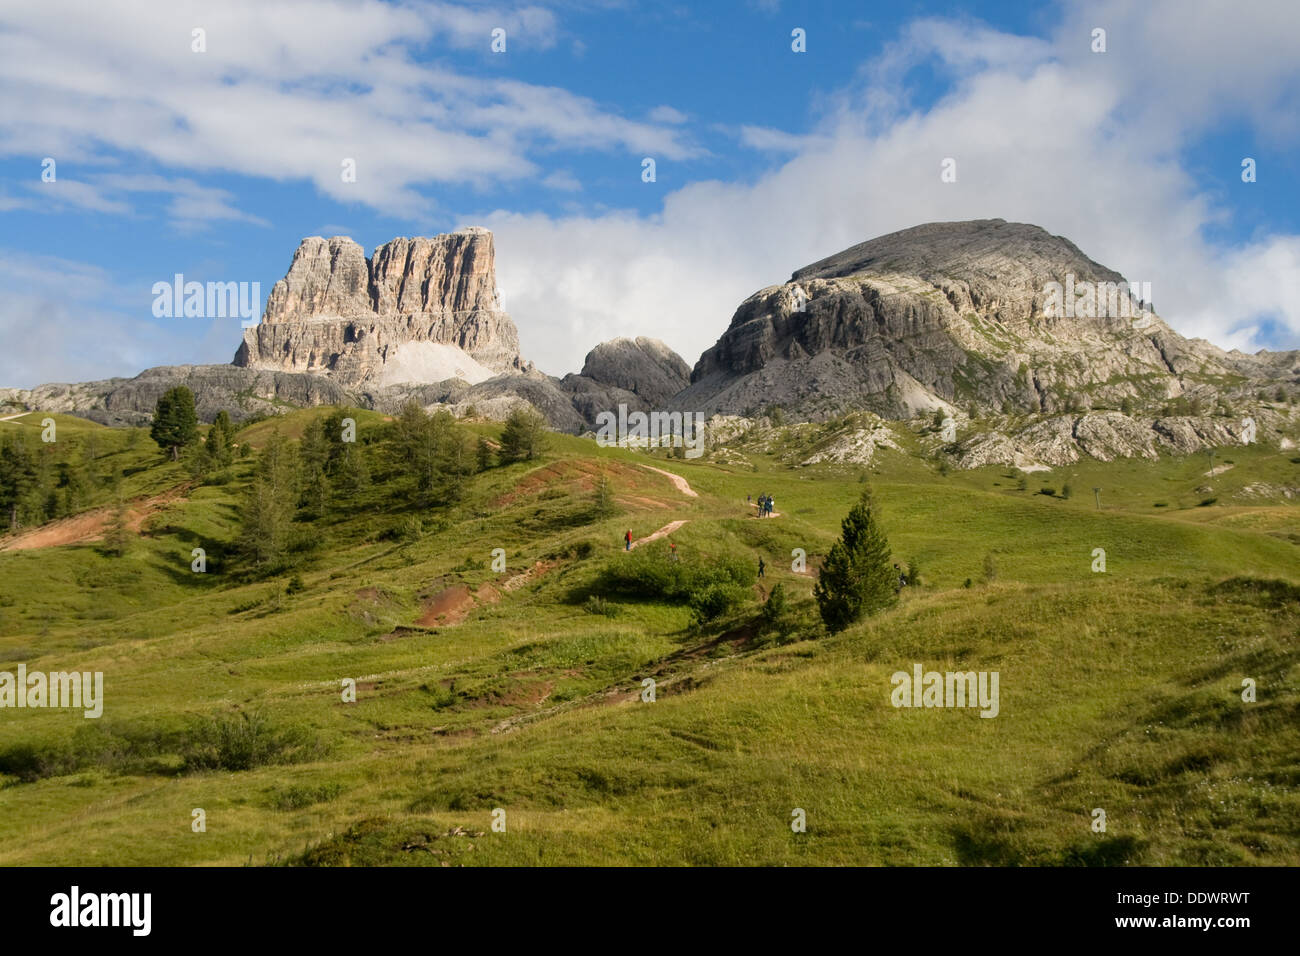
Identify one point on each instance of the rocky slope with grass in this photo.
(959, 315)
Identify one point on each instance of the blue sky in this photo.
(216, 164)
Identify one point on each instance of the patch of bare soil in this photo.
(91, 525)
(449, 606)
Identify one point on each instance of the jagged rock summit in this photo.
(953, 315)
(419, 310)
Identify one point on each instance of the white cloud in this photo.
(64, 194)
(666, 114)
(562, 180)
(57, 327)
(773, 140)
(1041, 134)
(288, 90)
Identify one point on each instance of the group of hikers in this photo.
(766, 505)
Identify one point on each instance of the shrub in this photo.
(411, 529)
(295, 798)
(1206, 502)
(709, 585)
(774, 609)
(1050, 492)
(242, 741)
(598, 605)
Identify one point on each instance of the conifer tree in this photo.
(117, 535)
(219, 446)
(314, 451)
(484, 454)
(524, 437)
(18, 477)
(353, 473)
(857, 578)
(175, 423)
(270, 504)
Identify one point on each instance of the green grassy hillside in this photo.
(521, 689)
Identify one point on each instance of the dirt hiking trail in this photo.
(665, 530)
(678, 481)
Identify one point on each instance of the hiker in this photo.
(672, 550)
(771, 506)
(902, 578)
(761, 566)
(748, 498)
(628, 539)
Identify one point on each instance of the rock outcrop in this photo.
(419, 310)
(643, 374)
(948, 315)
(570, 404)
(645, 367)
(242, 392)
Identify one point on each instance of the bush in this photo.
(1206, 502)
(711, 586)
(713, 600)
(1050, 492)
(778, 621)
(114, 748)
(411, 529)
(295, 798)
(242, 741)
(598, 605)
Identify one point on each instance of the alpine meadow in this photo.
(542, 435)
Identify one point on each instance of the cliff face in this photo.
(950, 314)
(419, 310)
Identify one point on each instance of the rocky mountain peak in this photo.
(643, 366)
(945, 315)
(419, 308)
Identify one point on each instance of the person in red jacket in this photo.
(628, 539)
